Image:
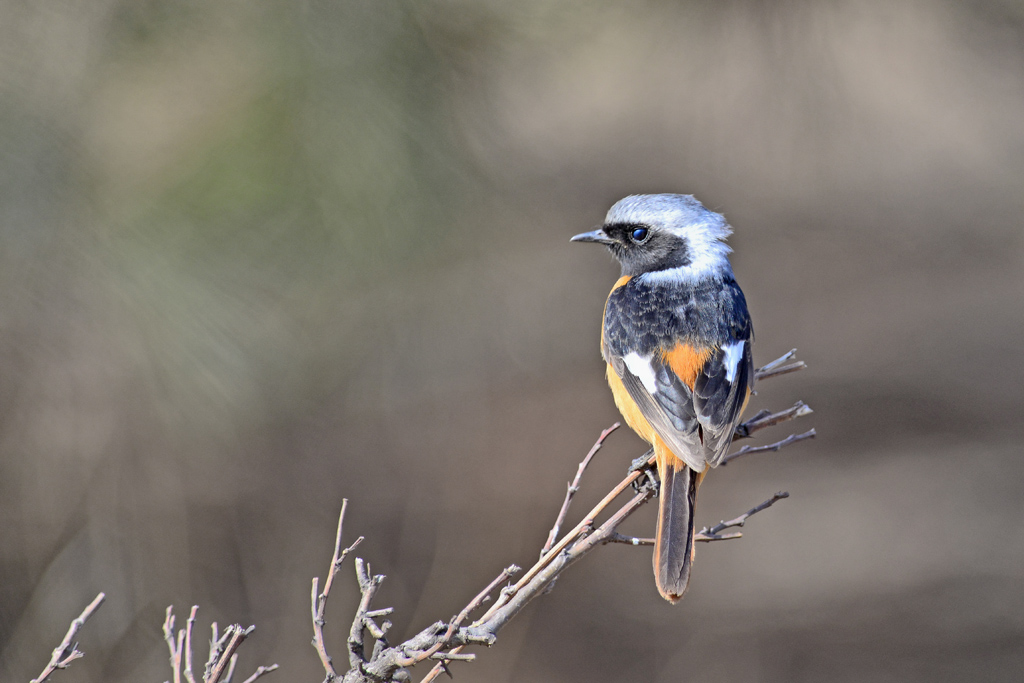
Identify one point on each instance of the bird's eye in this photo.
(639, 235)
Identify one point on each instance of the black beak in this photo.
(599, 236)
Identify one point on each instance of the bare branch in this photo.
(574, 487)
(68, 651)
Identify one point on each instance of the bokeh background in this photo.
(257, 257)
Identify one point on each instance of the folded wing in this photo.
(694, 408)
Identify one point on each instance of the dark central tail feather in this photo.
(673, 543)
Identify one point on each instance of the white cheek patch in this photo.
(641, 367)
(733, 355)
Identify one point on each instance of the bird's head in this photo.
(667, 235)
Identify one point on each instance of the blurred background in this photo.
(257, 257)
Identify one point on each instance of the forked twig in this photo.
(319, 600)
(174, 644)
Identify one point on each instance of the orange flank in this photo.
(746, 399)
(686, 361)
(621, 282)
(628, 407)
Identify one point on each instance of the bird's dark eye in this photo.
(639, 235)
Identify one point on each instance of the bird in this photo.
(677, 341)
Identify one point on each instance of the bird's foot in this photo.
(649, 478)
(641, 462)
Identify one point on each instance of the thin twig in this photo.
(712, 534)
(68, 651)
(770, 448)
(784, 370)
(188, 644)
(453, 656)
(766, 419)
(574, 487)
(629, 540)
(339, 554)
(773, 369)
(777, 362)
(171, 646)
(259, 672)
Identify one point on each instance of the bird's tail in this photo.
(673, 543)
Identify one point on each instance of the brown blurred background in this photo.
(256, 257)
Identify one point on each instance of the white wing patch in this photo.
(733, 355)
(641, 367)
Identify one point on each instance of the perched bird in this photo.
(677, 340)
